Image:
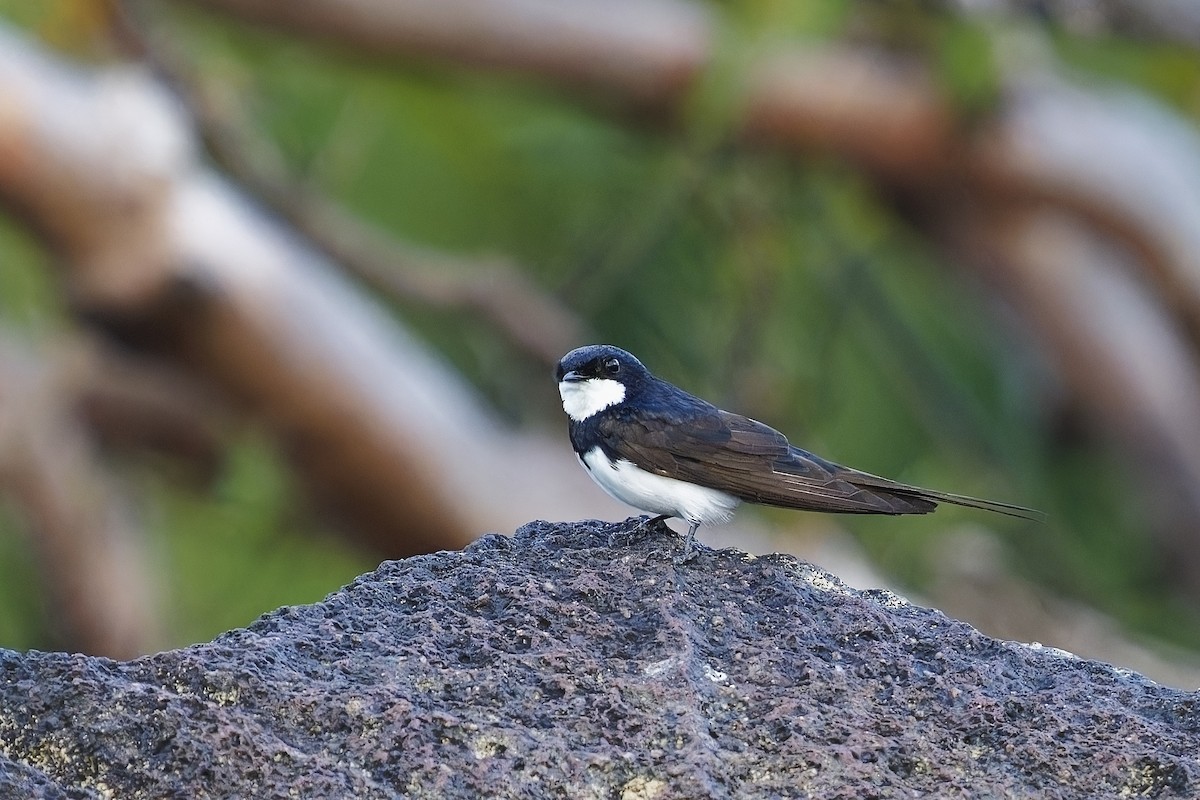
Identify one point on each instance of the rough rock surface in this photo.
(553, 664)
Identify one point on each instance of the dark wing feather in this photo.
(756, 463)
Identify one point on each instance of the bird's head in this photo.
(595, 377)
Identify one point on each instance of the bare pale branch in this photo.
(491, 289)
(1135, 171)
(93, 558)
(172, 258)
(646, 50)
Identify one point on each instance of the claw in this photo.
(652, 521)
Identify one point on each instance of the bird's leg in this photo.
(689, 551)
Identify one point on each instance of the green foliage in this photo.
(966, 66)
(29, 297)
(1170, 72)
(785, 18)
(28, 303)
(243, 549)
(23, 624)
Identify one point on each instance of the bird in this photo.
(654, 446)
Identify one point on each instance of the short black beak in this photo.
(574, 377)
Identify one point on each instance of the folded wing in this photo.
(756, 463)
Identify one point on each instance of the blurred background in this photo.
(282, 286)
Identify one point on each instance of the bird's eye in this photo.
(612, 366)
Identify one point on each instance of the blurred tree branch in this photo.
(885, 113)
(493, 289)
(647, 52)
(1079, 202)
(102, 590)
(171, 260)
(1175, 21)
(1129, 186)
(891, 119)
(140, 405)
(1124, 169)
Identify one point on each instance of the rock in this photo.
(555, 664)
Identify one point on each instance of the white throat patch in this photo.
(582, 399)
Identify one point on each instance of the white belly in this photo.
(658, 495)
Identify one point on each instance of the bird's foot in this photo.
(650, 522)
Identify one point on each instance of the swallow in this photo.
(654, 446)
